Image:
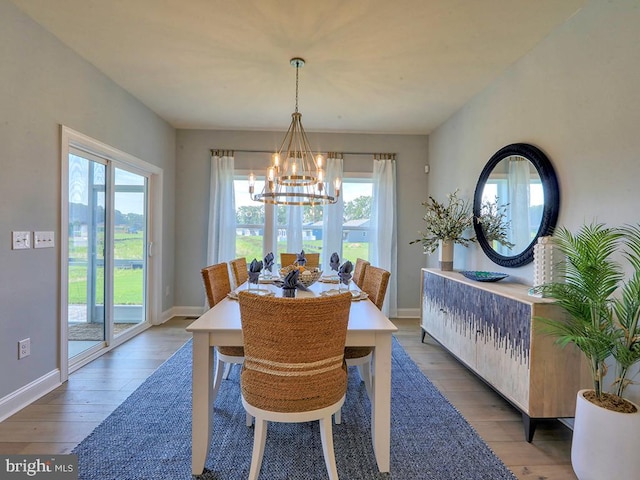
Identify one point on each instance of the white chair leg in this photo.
(259, 437)
(227, 369)
(249, 420)
(326, 435)
(365, 373)
(338, 416)
(218, 377)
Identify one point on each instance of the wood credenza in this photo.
(491, 327)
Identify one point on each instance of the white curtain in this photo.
(294, 229)
(221, 245)
(383, 247)
(332, 215)
(518, 184)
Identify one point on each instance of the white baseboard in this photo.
(28, 394)
(408, 313)
(185, 312)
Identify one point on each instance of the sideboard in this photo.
(492, 329)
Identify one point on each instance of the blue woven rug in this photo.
(149, 435)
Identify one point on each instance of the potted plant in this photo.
(445, 225)
(602, 309)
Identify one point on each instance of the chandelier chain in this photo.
(297, 70)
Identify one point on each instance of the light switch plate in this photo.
(20, 240)
(43, 240)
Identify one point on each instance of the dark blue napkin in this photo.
(254, 270)
(268, 261)
(334, 262)
(291, 282)
(344, 273)
(301, 259)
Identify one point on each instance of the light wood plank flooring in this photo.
(60, 420)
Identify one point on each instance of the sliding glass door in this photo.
(107, 252)
(86, 253)
(129, 250)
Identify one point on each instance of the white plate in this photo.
(263, 292)
(355, 295)
(268, 280)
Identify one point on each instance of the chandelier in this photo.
(295, 176)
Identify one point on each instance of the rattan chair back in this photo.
(313, 259)
(239, 271)
(216, 282)
(359, 271)
(375, 284)
(294, 351)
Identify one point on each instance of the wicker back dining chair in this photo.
(294, 368)
(239, 271)
(375, 285)
(359, 271)
(217, 286)
(313, 259)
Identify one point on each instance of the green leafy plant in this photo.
(603, 309)
(445, 222)
(493, 220)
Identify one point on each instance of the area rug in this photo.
(149, 435)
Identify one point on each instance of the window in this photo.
(250, 221)
(357, 194)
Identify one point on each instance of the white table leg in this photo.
(202, 410)
(381, 401)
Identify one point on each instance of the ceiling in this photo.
(372, 66)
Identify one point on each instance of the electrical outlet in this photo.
(21, 240)
(43, 240)
(24, 348)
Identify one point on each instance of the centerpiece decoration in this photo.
(306, 276)
(445, 225)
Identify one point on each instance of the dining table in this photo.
(221, 326)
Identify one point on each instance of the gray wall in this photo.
(192, 196)
(44, 84)
(577, 97)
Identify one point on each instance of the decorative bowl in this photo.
(480, 276)
(306, 277)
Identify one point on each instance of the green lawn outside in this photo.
(128, 288)
(250, 247)
(129, 284)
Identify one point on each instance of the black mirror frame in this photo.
(549, 212)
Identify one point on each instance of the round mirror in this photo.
(516, 201)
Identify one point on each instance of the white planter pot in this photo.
(606, 444)
(445, 255)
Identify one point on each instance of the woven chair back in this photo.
(313, 259)
(375, 284)
(216, 282)
(239, 271)
(359, 271)
(294, 351)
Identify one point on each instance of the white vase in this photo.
(445, 255)
(606, 444)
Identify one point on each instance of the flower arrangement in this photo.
(446, 222)
(492, 220)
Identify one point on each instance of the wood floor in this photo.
(60, 420)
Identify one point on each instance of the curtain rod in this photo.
(378, 155)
